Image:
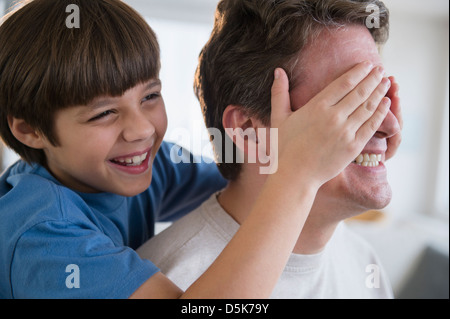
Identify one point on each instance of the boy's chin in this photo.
(133, 189)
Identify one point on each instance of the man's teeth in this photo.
(132, 161)
(368, 160)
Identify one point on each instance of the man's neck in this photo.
(238, 198)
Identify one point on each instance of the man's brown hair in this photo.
(46, 65)
(251, 38)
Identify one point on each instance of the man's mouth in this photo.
(130, 161)
(368, 160)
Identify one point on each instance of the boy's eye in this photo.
(101, 115)
(151, 97)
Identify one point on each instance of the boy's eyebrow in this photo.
(104, 101)
(153, 83)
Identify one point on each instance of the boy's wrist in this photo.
(294, 181)
(296, 172)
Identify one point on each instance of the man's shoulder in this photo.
(186, 237)
(351, 254)
(189, 246)
(169, 241)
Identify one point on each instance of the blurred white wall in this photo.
(417, 54)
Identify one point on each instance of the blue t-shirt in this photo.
(58, 243)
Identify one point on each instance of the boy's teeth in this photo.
(368, 160)
(133, 161)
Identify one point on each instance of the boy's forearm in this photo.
(251, 264)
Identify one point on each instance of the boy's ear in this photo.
(240, 128)
(24, 133)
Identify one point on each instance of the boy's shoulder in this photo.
(29, 195)
(23, 182)
(45, 223)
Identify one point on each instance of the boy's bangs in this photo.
(108, 55)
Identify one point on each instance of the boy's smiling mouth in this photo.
(134, 164)
(131, 160)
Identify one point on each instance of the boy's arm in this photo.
(336, 124)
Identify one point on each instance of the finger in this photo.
(393, 144)
(362, 93)
(371, 126)
(393, 91)
(281, 104)
(341, 87)
(366, 110)
(394, 96)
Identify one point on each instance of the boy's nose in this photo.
(389, 127)
(137, 127)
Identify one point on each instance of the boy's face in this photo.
(110, 144)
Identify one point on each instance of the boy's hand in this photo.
(324, 136)
(393, 143)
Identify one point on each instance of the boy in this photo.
(83, 108)
(320, 41)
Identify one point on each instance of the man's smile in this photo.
(369, 159)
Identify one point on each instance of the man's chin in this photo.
(348, 198)
(377, 201)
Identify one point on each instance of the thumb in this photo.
(281, 104)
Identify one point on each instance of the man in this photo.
(315, 42)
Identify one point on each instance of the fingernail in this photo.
(368, 64)
(277, 74)
(381, 70)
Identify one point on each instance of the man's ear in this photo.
(24, 133)
(240, 128)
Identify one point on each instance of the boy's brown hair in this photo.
(46, 66)
(251, 38)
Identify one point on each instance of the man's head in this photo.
(253, 37)
(46, 66)
(315, 42)
(83, 102)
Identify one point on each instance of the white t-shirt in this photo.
(346, 268)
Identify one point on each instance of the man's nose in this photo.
(389, 127)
